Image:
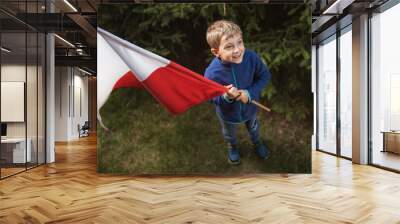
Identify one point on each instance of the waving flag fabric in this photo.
(121, 64)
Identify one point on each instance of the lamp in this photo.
(84, 71)
(65, 41)
(5, 50)
(70, 5)
(337, 7)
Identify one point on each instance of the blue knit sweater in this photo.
(251, 74)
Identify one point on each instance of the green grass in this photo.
(145, 139)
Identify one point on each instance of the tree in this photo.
(280, 34)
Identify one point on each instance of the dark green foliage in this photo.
(280, 34)
(146, 139)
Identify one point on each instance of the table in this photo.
(16, 147)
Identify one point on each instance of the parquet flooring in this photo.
(71, 191)
(10, 171)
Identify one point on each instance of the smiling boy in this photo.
(244, 74)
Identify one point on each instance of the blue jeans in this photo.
(229, 131)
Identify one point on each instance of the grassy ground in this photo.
(145, 139)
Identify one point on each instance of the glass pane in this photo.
(31, 100)
(346, 94)
(386, 89)
(41, 99)
(13, 87)
(327, 96)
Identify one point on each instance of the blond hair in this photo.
(220, 28)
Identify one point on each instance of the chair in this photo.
(84, 130)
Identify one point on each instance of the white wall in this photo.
(71, 102)
(81, 103)
(61, 103)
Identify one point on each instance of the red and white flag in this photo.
(121, 64)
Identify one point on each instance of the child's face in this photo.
(231, 49)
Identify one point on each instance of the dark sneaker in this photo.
(262, 151)
(234, 156)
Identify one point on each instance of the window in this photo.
(327, 95)
(22, 68)
(385, 87)
(346, 92)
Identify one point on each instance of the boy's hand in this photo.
(243, 96)
(232, 92)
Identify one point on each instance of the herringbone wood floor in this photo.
(70, 191)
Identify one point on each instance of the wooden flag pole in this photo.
(259, 105)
